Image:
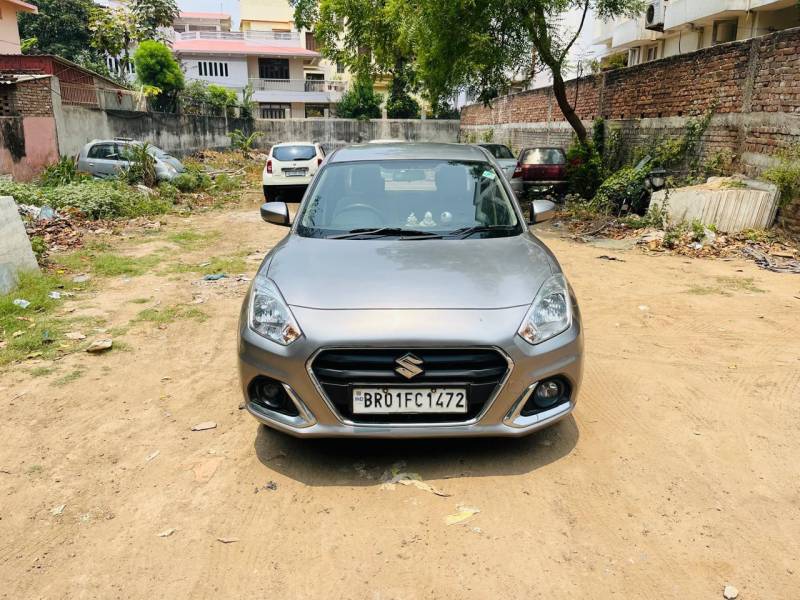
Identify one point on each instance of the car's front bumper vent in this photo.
(481, 371)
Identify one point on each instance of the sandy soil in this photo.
(677, 475)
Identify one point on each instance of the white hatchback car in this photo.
(290, 167)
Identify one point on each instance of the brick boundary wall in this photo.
(754, 86)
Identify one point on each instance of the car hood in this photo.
(410, 274)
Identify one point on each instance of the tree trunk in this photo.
(560, 92)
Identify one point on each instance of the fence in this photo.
(90, 96)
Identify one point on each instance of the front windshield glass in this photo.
(429, 197)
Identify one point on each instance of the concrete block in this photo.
(15, 247)
(729, 209)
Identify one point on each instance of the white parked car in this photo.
(290, 167)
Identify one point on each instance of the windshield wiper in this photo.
(465, 232)
(384, 231)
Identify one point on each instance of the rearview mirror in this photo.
(541, 211)
(276, 213)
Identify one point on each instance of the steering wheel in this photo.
(360, 207)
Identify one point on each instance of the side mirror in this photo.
(541, 211)
(276, 213)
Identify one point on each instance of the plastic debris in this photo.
(81, 278)
(214, 277)
(464, 514)
(152, 455)
(46, 213)
(167, 532)
(227, 540)
(100, 345)
(74, 335)
(395, 477)
(54, 295)
(730, 593)
(58, 510)
(612, 258)
(204, 426)
(22, 303)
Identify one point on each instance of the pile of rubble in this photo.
(772, 250)
(65, 230)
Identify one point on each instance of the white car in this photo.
(290, 167)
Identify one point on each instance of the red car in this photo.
(540, 170)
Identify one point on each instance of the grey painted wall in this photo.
(333, 133)
(182, 134)
(178, 134)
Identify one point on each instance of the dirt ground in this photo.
(677, 475)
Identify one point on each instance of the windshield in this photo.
(499, 151)
(401, 197)
(543, 156)
(294, 152)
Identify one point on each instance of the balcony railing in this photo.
(256, 36)
(299, 85)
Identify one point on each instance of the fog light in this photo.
(547, 393)
(270, 394)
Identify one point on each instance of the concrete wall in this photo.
(339, 132)
(753, 87)
(178, 134)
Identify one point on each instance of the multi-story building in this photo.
(280, 63)
(9, 32)
(670, 27)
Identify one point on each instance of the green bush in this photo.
(626, 186)
(141, 166)
(360, 101)
(96, 199)
(193, 180)
(786, 174)
(61, 172)
(584, 169)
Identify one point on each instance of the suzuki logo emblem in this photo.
(409, 366)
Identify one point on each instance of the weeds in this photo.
(169, 314)
(192, 239)
(31, 331)
(108, 264)
(62, 172)
(244, 142)
(69, 377)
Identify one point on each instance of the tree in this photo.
(360, 101)
(150, 15)
(156, 67)
(115, 29)
(455, 45)
(400, 104)
(61, 27)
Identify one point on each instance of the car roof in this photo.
(407, 151)
(282, 144)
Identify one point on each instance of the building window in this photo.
(339, 67)
(212, 69)
(311, 41)
(652, 53)
(273, 68)
(274, 111)
(316, 110)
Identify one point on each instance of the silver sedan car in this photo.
(409, 299)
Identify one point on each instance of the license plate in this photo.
(400, 400)
(294, 172)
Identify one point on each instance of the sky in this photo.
(230, 7)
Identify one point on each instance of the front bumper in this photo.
(561, 356)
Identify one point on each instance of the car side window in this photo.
(103, 152)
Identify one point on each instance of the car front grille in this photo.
(481, 371)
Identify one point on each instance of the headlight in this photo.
(550, 313)
(270, 316)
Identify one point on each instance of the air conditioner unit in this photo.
(654, 16)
